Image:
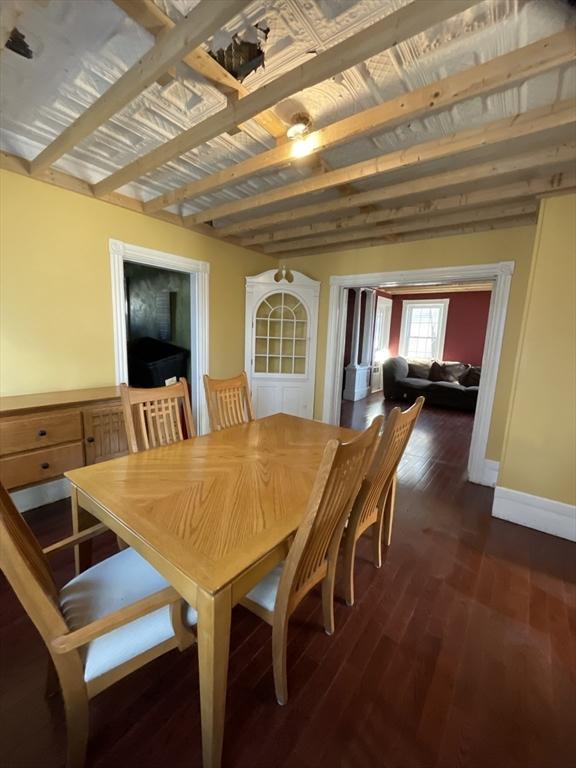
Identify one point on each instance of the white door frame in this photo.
(199, 272)
(480, 469)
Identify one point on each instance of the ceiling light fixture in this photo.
(297, 132)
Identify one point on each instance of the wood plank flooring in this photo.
(460, 651)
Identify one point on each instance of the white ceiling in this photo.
(80, 48)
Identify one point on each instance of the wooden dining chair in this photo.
(157, 416)
(105, 623)
(374, 505)
(314, 552)
(228, 401)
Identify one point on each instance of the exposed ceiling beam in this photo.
(514, 191)
(507, 130)
(503, 71)
(409, 225)
(555, 156)
(151, 17)
(200, 24)
(408, 21)
(429, 234)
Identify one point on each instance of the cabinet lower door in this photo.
(277, 396)
(104, 433)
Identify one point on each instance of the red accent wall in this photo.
(465, 326)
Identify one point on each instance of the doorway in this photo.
(480, 469)
(160, 308)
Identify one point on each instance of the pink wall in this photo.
(465, 327)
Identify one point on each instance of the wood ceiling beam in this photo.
(514, 191)
(429, 234)
(19, 165)
(400, 25)
(503, 71)
(554, 156)
(506, 130)
(423, 222)
(200, 24)
(151, 17)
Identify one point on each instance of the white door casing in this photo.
(281, 334)
(480, 469)
(199, 272)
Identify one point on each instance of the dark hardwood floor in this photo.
(460, 652)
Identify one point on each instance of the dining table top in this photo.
(213, 505)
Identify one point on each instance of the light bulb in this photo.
(303, 146)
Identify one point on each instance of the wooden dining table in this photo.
(213, 514)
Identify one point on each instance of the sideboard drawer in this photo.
(35, 466)
(27, 432)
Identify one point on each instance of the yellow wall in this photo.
(539, 454)
(480, 248)
(56, 296)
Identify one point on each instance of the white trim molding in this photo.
(547, 515)
(490, 473)
(199, 272)
(38, 495)
(500, 274)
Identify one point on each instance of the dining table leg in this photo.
(81, 519)
(213, 630)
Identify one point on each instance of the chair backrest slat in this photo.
(343, 467)
(157, 416)
(397, 431)
(228, 400)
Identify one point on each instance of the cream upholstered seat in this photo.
(109, 586)
(264, 593)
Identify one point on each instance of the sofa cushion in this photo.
(447, 385)
(447, 371)
(471, 377)
(418, 370)
(415, 383)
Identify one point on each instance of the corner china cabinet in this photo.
(281, 332)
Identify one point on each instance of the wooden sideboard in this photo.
(42, 436)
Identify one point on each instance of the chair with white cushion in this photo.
(373, 509)
(105, 623)
(313, 554)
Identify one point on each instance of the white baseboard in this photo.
(545, 515)
(37, 495)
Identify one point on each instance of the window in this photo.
(423, 329)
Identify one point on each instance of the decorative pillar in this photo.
(356, 382)
(368, 336)
(356, 328)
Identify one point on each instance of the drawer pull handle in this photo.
(45, 465)
(42, 433)
(89, 439)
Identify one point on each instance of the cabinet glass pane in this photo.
(260, 364)
(287, 365)
(273, 365)
(281, 331)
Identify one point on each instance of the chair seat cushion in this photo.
(108, 586)
(264, 593)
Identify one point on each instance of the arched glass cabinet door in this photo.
(281, 327)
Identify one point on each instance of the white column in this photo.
(368, 335)
(356, 328)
